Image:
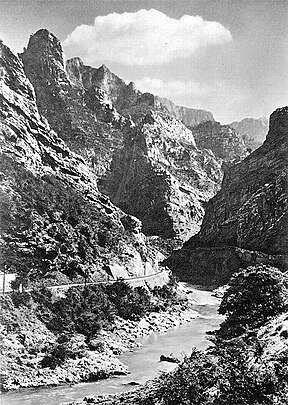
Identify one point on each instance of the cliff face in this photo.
(85, 120)
(249, 213)
(222, 140)
(252, 130)
(189, 116)
(86, 106)
(54, 222)
(162, 178)
(127, 100)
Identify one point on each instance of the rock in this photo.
(133, 383)
(170, 359)
(90, 109)
(31, 150)
(162, 178)
(246, 222)
(252, 130)
(222, 140)
(189, 116)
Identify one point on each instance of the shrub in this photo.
(254, 296)
(129, 303)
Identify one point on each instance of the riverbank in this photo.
(22, 352)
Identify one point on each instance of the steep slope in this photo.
(54, 222)
(252, 130)
(83, 104)
(248, 214)
(189, 116)
(127, 100)
(222, 140)
(162, 178)
(85, 120)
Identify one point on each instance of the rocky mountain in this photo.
(126, 99)
(55, 224)
(247, 221)
(85, 120)
(252, 130)
(189, 116)
(162, 177)
(222, 140)
(86, 106)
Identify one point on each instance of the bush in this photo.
(82, 310)
(130, 303)
(254, 296)
(58, 353)
(191, 383)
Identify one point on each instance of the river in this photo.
(143, 363)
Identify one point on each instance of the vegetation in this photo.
(236, 370)
(50, 230)
(87, 310)
(255, 295)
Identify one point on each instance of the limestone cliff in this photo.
(189, 116)
(54, 222)
(161, 177)
(127, 100)
(85, 120)
(222, 140)
(252, 130)
(86, 106)
(248, 217)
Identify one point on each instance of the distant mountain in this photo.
(161, 177)
(252, 130)
(189, 116)
(222, 140)
(247, 221)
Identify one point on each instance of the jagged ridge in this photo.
(55, 223)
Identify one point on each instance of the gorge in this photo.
(101, 184)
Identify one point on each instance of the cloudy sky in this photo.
(226, 56)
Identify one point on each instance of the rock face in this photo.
(249, 212)
(125, 98)
(222, 140)
(162, 178)
(189, 116)
(158, 175)
(84, 119)
(252, 130)
(54, 222)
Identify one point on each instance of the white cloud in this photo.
(171, 89)
(146, 37)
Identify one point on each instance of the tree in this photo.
(254, 296)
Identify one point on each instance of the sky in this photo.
(226, 56)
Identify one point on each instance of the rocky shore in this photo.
(21, 361)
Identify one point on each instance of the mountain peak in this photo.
(104, 68)
(75, 61)
(44, 44)
(278, 126)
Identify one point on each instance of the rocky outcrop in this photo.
(189, 116)
(161, 177)
(54, 222)
(249, 212)
(222, 140)
(252, 130)
(84, 119)
(83, 104)
(127, 100)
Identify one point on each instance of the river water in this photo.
(143, 363)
